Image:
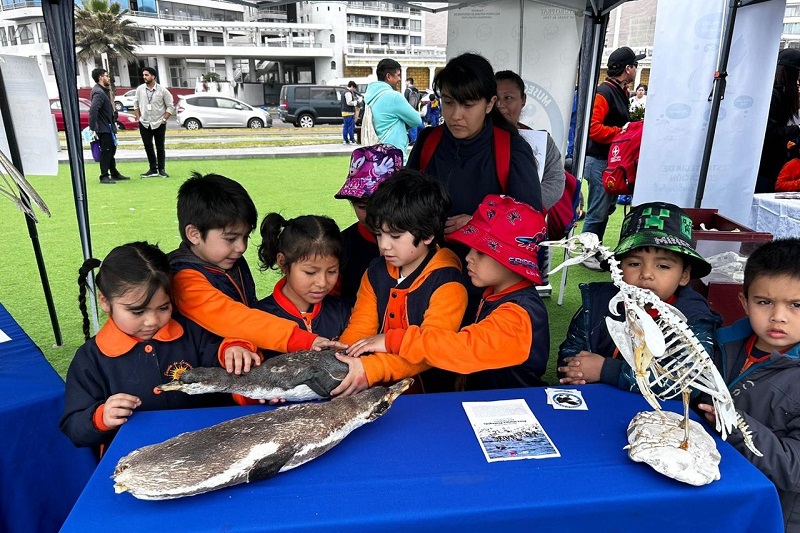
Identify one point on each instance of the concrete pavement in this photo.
(308, 150)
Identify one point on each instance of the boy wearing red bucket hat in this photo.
(509, 342)
(369, 167)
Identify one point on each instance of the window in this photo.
(48, 61)
(302, 93)
(224, 103)
(333, 38)
(3, 40)
(416, 41)
(333, 65)
(24, 34)
(416, 25)
(322, 93)
(203, 101)
(40, 28)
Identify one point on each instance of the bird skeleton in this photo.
(664, 353)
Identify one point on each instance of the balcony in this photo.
(374, 48)
(20, 4)
(362, 24)
(379, 6)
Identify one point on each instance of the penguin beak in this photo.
(398, 388)
(389, 397)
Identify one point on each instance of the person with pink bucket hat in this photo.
(369, 167)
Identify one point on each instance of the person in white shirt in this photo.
(639, 99)
(153, 106)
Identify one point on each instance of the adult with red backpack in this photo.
(476, 152)
(610, 117)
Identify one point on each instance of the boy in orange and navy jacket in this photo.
(509, 343)
(212, 281)
(414, 282)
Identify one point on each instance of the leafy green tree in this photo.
(100, 27)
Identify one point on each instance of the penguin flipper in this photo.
(269, 466)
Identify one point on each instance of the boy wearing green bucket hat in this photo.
(655, 252)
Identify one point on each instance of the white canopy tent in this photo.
(59, 21)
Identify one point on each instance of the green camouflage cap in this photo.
(661, 225)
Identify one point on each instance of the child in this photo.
(308, 250)
(434, 113)
(140, 346)
(369, 167)
(509, 343)
(213, 284)
(759, 359)
(655, 253)
(415, 282)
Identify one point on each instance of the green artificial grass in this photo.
(144, 209)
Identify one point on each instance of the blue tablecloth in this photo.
(41, 472)
(420, 467)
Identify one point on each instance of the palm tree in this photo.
(100, 28)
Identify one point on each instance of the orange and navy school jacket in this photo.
(359, 249)
(431, 297)
(222, 302)
(327, 318)
(113, 362)
(507, 346)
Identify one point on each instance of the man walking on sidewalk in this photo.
(101, 121)
(153, 106)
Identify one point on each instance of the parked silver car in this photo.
(197, 111)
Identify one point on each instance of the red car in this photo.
(125, 121)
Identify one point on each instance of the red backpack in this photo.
(623, 160)
(560, 218)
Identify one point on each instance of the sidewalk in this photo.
(308, 150)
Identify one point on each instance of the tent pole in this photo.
(59, 18)
(33, 232)
(587, 85)
(717, 94)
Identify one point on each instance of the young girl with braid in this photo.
(141, 345)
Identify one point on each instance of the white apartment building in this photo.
(305, 42)
(790, 37)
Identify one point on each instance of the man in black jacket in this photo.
(610, 117)
(101, 121)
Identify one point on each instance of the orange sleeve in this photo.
(445, 311)
(198, 300)
(364, 318)
(599, 132)
(500, 340)
(789, 177)
(97, 418)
